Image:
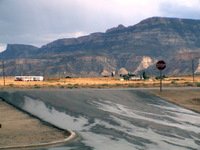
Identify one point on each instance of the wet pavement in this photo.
(113, 119)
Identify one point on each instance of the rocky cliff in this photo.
(135, 48)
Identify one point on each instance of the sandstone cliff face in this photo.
(145, 63)
(135, 48)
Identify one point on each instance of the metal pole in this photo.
(160, 80)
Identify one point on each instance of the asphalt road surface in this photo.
(112, 119)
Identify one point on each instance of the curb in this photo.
(72, 136)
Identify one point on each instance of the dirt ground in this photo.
(18, 128)
(187, 98)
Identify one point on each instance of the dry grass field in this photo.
(101, 82)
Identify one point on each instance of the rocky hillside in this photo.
(134, 48)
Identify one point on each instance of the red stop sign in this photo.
(160, 65)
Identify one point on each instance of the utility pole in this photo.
(193, 70)
(3, 69)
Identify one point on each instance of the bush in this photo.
(198, 84)
(173, 82)
(11, 85)
(158, 77)
(189, 84)
(37, 86)
(144, 76)
(62, 87)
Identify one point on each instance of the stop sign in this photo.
(160, 65)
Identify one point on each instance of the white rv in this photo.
(29, 78)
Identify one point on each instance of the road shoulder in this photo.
(19, 130)
(187, 98)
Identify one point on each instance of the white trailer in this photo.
(29, 78)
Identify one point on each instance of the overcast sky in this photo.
(38, 22)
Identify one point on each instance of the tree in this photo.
(144, 75)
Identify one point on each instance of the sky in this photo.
(38, 22)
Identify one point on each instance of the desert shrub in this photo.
(105, 85)
(36, 86)
(198, 84)
(188, 84)
(173, 82)
(117, 84)
(144, 76)
(162, 77)
(62, 87)
(71, 86)
(196, 100)
(11, 85)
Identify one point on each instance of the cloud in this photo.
(30, 21)
(38, 22)
(181, 8)
(51, 37)
(2, 47)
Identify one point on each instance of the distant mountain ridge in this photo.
(175, 40)
(18, 51)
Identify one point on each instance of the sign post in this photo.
(161, 65)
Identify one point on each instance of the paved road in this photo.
(112, 119)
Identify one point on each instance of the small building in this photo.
(29, 78)
(136, 78)
(130, 76)
(122, 71)
(105, 73)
